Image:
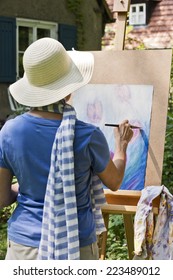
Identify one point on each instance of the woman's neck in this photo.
(46, 115)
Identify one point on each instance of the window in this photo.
(29, 31)
(7, 50)
(137, 14)
(17, 34)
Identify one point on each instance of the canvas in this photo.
(111, 103)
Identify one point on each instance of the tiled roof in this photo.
(157, 34)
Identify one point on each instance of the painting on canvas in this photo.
(111, 103)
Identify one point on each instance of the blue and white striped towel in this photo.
(59, 238)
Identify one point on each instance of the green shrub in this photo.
(3, 240)
(5, 214)
(167, 175)
(116, 248)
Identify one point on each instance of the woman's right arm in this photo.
(113, 174)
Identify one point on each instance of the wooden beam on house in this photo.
(121, 8)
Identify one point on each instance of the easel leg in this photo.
(104, 237)
(129, 230)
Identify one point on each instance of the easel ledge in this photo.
(125, 201)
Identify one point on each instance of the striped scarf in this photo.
(59, 237)
(57, 107)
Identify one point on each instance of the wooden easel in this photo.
(122, 202)
(125, 203)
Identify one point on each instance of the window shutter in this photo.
(67, 35)
(7, 50)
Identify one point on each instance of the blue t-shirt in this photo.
(25, 148)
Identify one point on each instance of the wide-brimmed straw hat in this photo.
(51, 73)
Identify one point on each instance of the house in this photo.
(152, 25)
(77, 24)
(149, 24)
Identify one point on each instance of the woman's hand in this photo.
(123, 134)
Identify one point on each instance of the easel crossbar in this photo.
(122, 209)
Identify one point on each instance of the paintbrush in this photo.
(117, 125)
